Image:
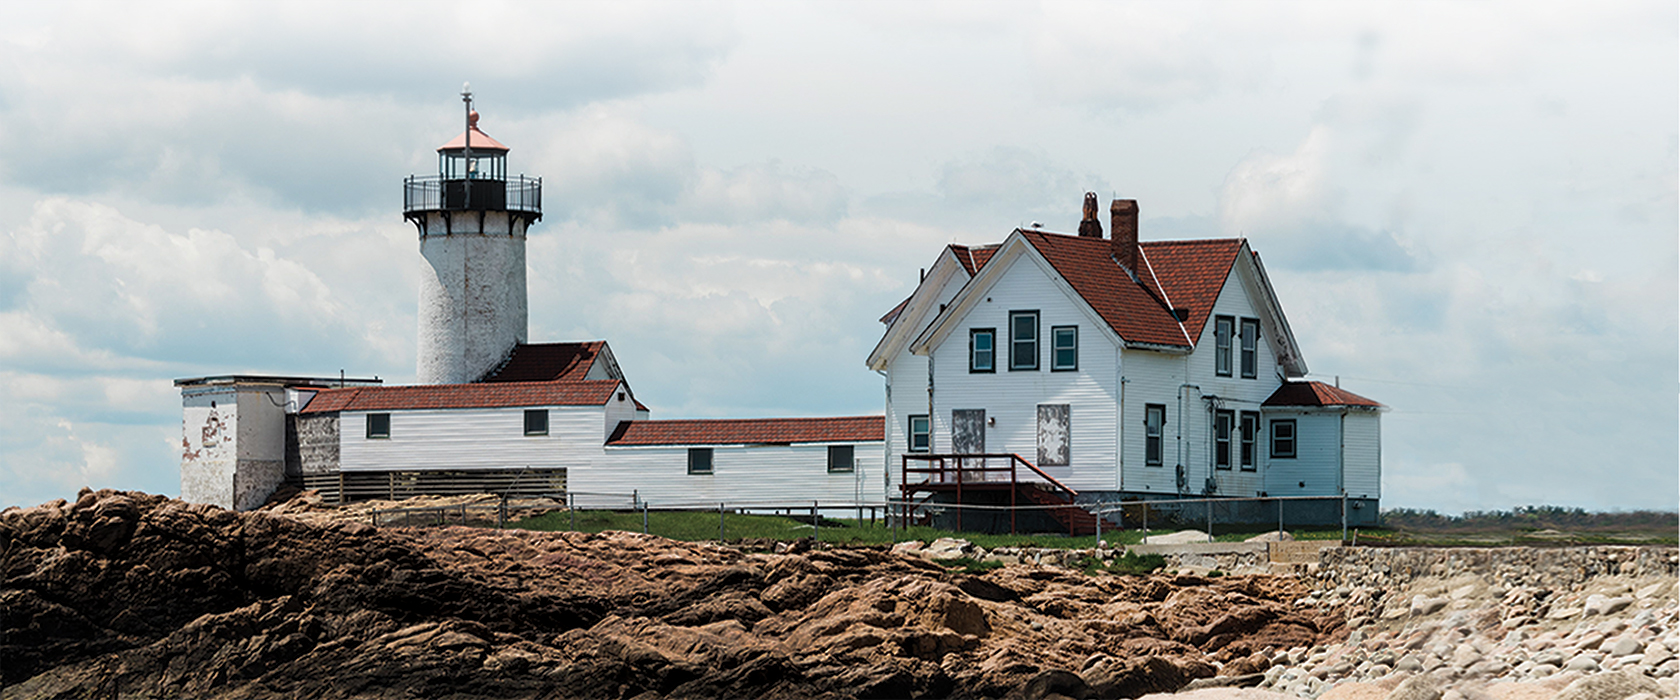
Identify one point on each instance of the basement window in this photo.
(840, 459)
(1283, 439)
(699, 460)
(536, 421)
(379, 426)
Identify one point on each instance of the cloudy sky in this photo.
(1468, 209)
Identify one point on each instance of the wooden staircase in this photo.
(1077, 520)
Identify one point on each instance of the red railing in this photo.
(959, 469)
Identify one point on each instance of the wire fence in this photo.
(594, 512)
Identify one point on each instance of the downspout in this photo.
(886, 438)
(931, 431)
(1120, 418)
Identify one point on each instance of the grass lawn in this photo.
(700, 526)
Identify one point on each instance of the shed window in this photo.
(1023, 340)
(1222, 326)
(919, 433)
(840, 459)
(1250, 348)
(1154, 419)
(378, 426)
(699, 460)
(1283, 439)
(982, 350)
(1250, 432)
(1064, 348)
(536, 421)
(1222, 421)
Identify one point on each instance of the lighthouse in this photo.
(472, 218)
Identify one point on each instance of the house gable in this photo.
(956, 264)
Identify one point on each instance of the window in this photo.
(378, 426)
(1250, 432)
(699, 460)
(1154, 420)
(1064, 348)
(919, 433)
(536, 421)
(1222, 438)
(1283, 439)
(1250, 348)
(1023, 340)
(982, 349)
(1222, 345)
(1053, 445)
(839, 459)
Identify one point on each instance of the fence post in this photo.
(1280, 519)
(816, 522)
(1344, 516)
(1098, 513)
(644, 518)
(571, 510)
(720, 523)
(1145, 505)
(1210, 518)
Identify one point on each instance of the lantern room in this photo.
(472, 176)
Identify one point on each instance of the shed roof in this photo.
(748, 431)
(489, 395)
(1316, 394)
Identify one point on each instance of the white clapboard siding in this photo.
(481, 438)
(1011, 398)
(1362, 453)
(1317, 449)
(1153, 378)
(1234, 392)
(908, 372)
(742, 475)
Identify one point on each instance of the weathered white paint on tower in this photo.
(472, 293)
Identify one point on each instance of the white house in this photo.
(1121, 369)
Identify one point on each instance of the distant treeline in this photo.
(1530, 518)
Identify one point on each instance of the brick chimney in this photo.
(1089, 226)
(1124, 214)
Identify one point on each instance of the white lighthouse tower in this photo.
(472, 219)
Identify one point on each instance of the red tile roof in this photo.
(748, 431)
(432, 396)
(1316, 394)
(1188, 273)
(547, 362)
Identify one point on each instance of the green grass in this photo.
(969, 565)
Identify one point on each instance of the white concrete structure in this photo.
(472, 219)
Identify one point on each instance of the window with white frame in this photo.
(982, 349)
(1249, 433)
(840, 459)
(920, 430)
(1222, 327)
(1064, 348)
(378, 426)
(1154, 423)
(1222, 421)
(1249, 338)
(1023, 340)
(1283, 438)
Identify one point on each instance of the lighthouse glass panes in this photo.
(484, 165)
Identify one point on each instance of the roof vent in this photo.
(1182, 314)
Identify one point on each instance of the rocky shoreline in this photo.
(131, 595)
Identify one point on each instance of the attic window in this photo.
(1222, 327)
(1250, 339)
(1023, 340)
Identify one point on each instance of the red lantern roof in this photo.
(480, 140)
